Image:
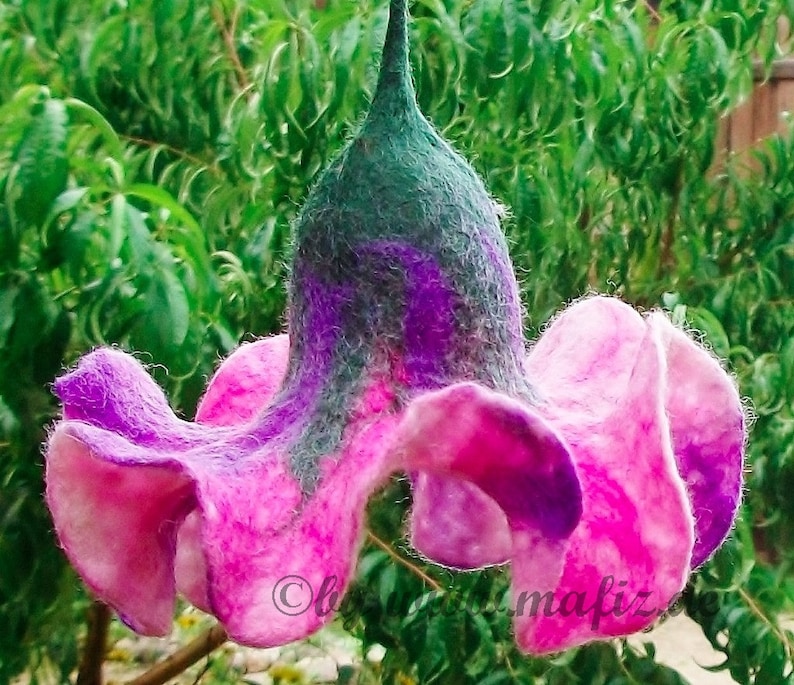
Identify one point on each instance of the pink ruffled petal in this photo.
(122, 475)
(707, 423)
(588, 364)
(126, 553)
(272, 585)
(514, 458)
(586, 356)
(629, 557)
(117, 526)
(243, 385)
(701, 401)
(215, 506)
(246, 382)
(444, 503)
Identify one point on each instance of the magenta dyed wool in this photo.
(146, 504)
(605, 460)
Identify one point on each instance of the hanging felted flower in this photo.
(613, 450)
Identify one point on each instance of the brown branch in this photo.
(227, 33)
(90, 671)
(402, 560)
(653, 9)
(145, 142)
(183, 658)
(778, 632)
(213, 638)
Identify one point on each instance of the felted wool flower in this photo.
(612, 450)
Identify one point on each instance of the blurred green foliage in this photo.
(153, 155)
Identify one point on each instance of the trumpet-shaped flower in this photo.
(605, 460)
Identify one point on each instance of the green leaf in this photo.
(168, 308)
(82, 111)
(67, 200)
(42, 167)
(162, 198)
(8, 294)
(117, 233)
(703, 320)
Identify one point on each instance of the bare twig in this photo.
(779, 633)
(90, 671)
(213, 638)
(653, 9)
(228, 32)
(405, 562)
(183, 658)
(144, 142)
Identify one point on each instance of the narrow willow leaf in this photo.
(118, 216)
(8, 295)
(160, 197)
(168, 308)
(42, 165)
(79, 110)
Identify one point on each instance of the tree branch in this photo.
(90, 670)
(213, 638)
(405, 562)
(183, 658)
(227, 33)
(771, 623)
(145, 142)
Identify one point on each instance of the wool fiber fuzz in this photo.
(607, 459)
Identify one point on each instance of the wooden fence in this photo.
(762, 114)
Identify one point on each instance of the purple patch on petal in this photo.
(429, 324)
(502, 447)
(312, 359)
(111, 390)
(707, 426)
